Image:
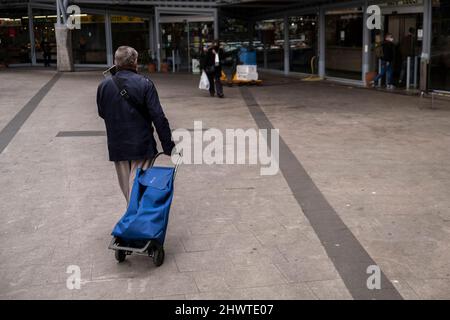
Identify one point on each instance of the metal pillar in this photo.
(286, 44)
(265, 56)
(366, 45)
(189, 46)
(408, 73)
(158, 40)
(416, 75)
(426, 44)
(216, 24)
(322, 26)
(31, 32)
(108, 36)
(251, 29)
(151, 40)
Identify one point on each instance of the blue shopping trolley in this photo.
(142, 229)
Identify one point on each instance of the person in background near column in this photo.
(386, 62)
(213, 69)
(129, 122)
(83, 47)
(46, 52)
(407, 49)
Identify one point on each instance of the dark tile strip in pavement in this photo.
(81, 134)
(13, 126)
(349, 257)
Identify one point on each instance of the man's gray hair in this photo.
(125, 57)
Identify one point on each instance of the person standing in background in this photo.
(386, 62)
(213, 68)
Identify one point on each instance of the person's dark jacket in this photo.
(210, 60)
(407, 46)
(203, 57)
(129, 128)
(388, 51)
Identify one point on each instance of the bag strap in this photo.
(124, 94)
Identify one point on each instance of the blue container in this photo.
(247, 57)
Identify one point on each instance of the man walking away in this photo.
(130, 106)
(386, 62)
(213, 69)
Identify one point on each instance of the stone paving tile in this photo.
(279, 292)
(329, 290)
(202, 260)
(308, 269)
(53, 291)
(167, 285)
(253, 276)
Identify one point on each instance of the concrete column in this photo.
(108, 37)
(426, 44)
(64, 56)
(31, 32)
(366, 45)
(286, 44)
(322, 43)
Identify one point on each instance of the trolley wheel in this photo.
(120, 255)
(158, 256)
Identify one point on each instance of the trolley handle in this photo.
(177, 164)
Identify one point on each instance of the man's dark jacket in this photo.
(388, 51)
(210, 60)
(129, 128)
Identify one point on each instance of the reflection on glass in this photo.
(303, 43)
(183, 41)
(14, 39)
(440, 48)
(88, 43)
(343, 34)
(44, 34)
(270, 50)
(130, 31)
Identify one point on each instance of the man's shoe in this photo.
(220, 95)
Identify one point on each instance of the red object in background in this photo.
(12, 32)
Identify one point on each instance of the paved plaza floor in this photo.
(364, 181)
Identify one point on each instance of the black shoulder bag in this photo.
(124, 94)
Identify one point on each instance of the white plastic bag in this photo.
(204, 82)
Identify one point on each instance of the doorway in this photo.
(182, 38)
(407, 31)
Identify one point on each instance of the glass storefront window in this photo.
(44, 32)
(130, 31)
(183, 41)
(270, 48)
(440, 46)
(89, 42)
(303, 43)
(14, 38)
(343, 34)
